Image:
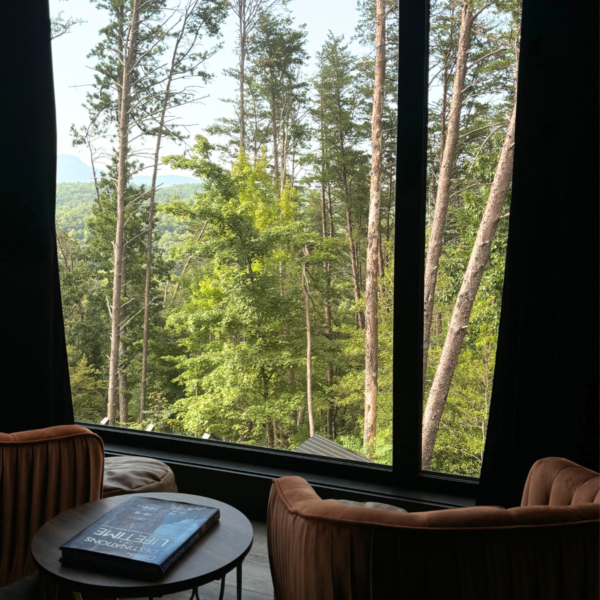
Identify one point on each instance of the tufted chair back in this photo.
(43, 472)
(560, 482)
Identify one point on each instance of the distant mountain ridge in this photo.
(70, 169)
(75, 201)
(74, 195)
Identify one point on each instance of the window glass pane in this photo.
(248, 322)
(473, 75)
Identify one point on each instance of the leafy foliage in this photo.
(228, 322)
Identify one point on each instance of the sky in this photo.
(72, 72)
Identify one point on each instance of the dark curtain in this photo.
(34, 376)
(545, 394)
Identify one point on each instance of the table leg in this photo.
(49, 589)
(239, 582)
(222, 593)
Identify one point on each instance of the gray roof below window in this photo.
(321, 446)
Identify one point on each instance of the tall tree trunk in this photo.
(147, 286)
(388, 217)
(166, 290)
(119, 248)
(123, 397)
(270, 425)
(381, 260)
(445, 85)
(356, 276)
(309, 399)
(437, 321)
(242, 16)
(435, 169)
(270, 435)
(275, 145)
(328, 320)
(330, 413)
(373, 236)
(447, 165)
(284, 159)
(466, 296)
(255, 145)
(161, 126)
(358, 263)
(360, 315)
(282, 437)
(330, 211)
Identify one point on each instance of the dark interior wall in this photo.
(34, 389)
(545, 397)
(545, 394)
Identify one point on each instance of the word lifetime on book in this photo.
(127, 540)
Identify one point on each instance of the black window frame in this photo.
(411, 185)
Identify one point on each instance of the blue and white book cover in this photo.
(148, 530)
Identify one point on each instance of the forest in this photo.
(257, 307)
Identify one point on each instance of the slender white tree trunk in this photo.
(161, 126)
(119, 243)
(466, 296)
(309, 398)
(360, 316)
(373, 235)
(123, 397)
(447, 165)
(242, 105)
(147, 298)
(243, 36)
(276, 174)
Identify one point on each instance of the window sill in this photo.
(247, 486)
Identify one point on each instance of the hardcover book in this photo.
(141, 538)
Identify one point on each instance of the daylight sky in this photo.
(72, 69)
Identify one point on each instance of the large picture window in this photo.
(217, 169)
(282, 225)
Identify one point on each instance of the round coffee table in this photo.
(222, 549)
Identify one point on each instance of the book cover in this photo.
(141, 538)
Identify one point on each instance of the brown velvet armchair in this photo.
(42, 473)
(546, 549)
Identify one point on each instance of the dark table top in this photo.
(219, 551)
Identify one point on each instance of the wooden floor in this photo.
(257, 584)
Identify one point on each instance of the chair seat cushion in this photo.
(136, 475)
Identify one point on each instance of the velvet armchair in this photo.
(42, 473)
(545, 549)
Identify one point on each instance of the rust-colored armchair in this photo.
(546, 549)
(42, 473)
